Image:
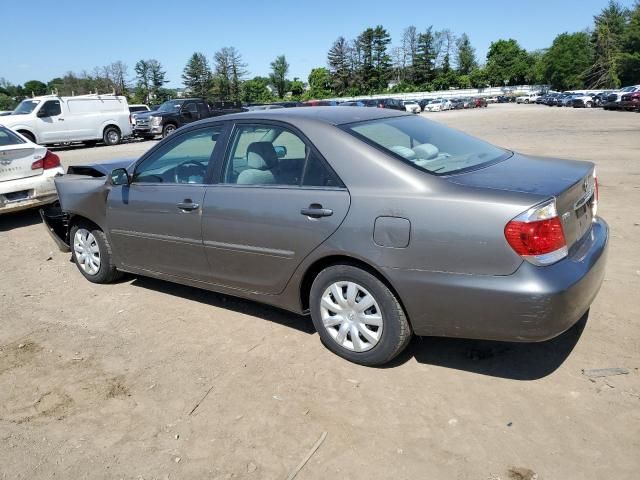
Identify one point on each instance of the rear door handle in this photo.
(188, 205)
(315, 210)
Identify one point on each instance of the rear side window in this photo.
(7, 137)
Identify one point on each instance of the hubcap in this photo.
(112, 136)
(86, 250)
(351, 315)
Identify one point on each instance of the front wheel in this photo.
(91, 252)
(168, 130)
(357, 316)
(589, 104)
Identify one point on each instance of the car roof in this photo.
(327, 115)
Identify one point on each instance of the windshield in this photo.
(170, 106)
(427, 145)
(26, 107)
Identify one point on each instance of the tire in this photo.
(526, 101)
(111, 136)
(386, 314)
(168, 129)
(588, 104)
(28, 135)
(85, 236)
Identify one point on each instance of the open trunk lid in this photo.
(571, 182)
(16, 161)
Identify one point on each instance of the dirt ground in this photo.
(145, 379)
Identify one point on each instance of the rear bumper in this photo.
(56, 224)
(532, 304)
(29, 192)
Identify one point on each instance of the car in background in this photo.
(601, 97)
(480, 102)
(51, 119)
(253, 108)
(411, 106)
(425, 230)
(467, 102)
(492, 99)
(567, 99)
(319, 103)
(529, 98)
(391, 103)
(438, 105)
(353, 103)
(134, 110)
(288, 104)
(614, 98)
(27, 171)
(424, 102)
(584, 100)
(502, 99)
(631, 101)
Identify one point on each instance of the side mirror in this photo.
(42, 113)
(281, 151)
(119, 176)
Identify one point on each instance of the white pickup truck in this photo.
(529, 98)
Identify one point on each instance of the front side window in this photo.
(427, 145)
(51, 108)
(273, 155)
(184, 159)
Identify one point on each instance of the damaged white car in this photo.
(27, 171)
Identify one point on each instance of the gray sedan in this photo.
(378, 224)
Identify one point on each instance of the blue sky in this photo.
(55, 37)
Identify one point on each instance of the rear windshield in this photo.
(427, 145)
(7, 137)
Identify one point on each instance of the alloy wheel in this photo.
(87, 251)
(351, 316)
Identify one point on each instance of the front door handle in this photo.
(315, 210)
(188, 205)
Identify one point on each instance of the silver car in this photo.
(379, 224)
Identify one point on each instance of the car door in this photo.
(50, 123)
(155, 221)
(276, 201)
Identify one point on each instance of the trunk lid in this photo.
(571, 183)
(16, 160)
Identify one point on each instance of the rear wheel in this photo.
(589, 104)
(28, 135)
(357, 316)
(111, 136)
(91, 252)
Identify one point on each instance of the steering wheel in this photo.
(184, 165)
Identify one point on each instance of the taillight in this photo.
(537, 236)
(50, 160)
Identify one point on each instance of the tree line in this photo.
(606, 55)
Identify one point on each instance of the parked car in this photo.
(461, 238)
(614, 98)
(601, 97)
(319, 103)
(585, 100)
(51, 119)
(502, 99)
(438, 105)
(134, 110)
(353, 103)
(27, 171)
(456, 104)
(391, 103)
(288, 104)
(631, 101)
(567, 100)
(411, 106)
(529, 98)
(480, 102)
(424, 102)
(492, 99)
(173, 114)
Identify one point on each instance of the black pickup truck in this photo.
(173, 114)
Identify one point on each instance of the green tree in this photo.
(567, 61)
(197, 75)
(507, 62)
(297, 88)
(256, 90)
(609, 26)
(423, 63)
(279, 70)
(466, 60)
(229, 71)
(629, 58)
(6, 102)
(339, 65)
(319, 84)
(35, 87)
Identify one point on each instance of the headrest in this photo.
(261, 156)
(426, 151)
(403, 151)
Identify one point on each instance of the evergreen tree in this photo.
(338, 61)
(197, 75)
(279, 70)
(466, 60)
(423, 64)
